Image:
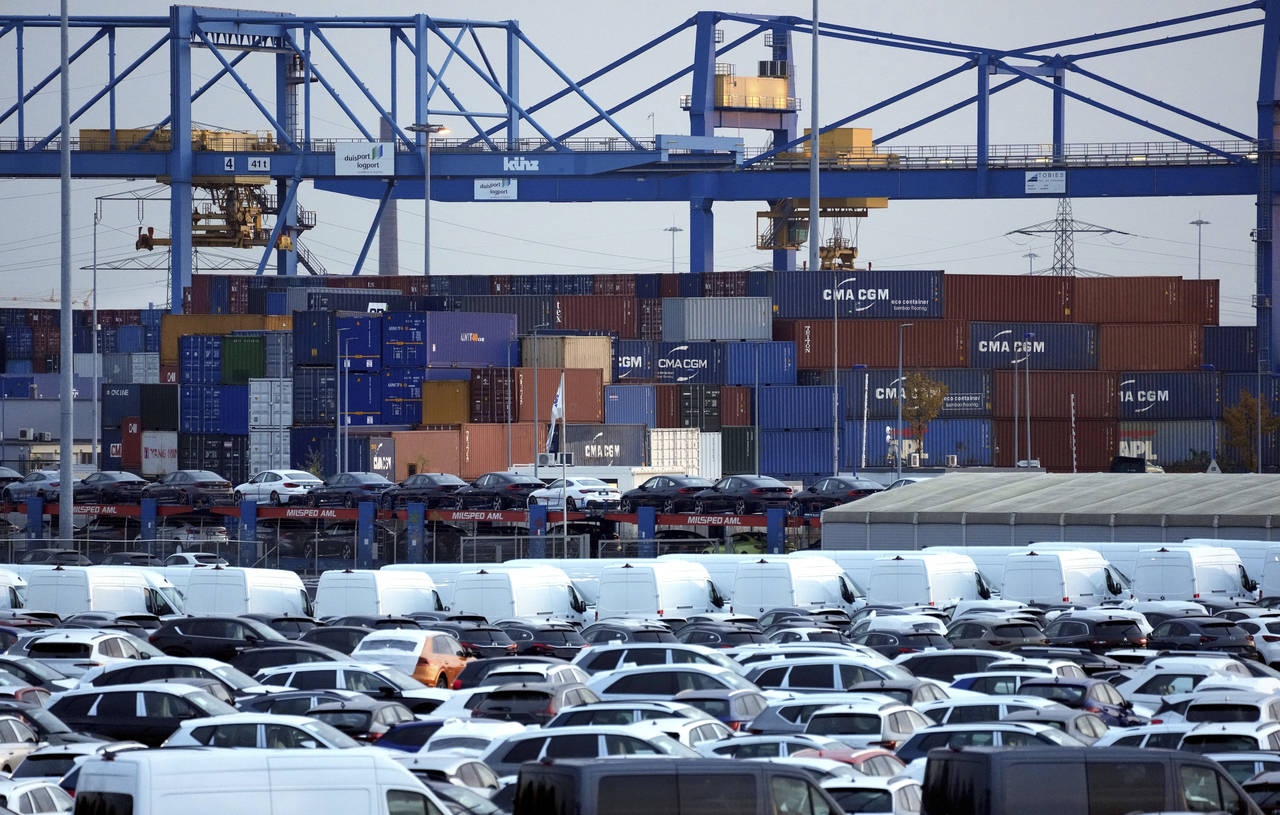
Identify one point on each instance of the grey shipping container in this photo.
(1173, 445)
(692, 319)
(607, 445)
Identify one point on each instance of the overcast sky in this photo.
(1214, 77)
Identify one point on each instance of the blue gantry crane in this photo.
(287, 68)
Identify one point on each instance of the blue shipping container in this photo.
(1231, 348)
(1050, 346)
(314, 342)
(631, 404)
(111, 449)
(310, 446)
(968, 391)
(649, 285)
(969, 440)
(18, 343)
(402, 383)
(402, 411)
(864, 295)
(361, 339)
(219, 295)
(764, 363)
(277, 302)
(362, 395)
(1234, 384)
(199, 360)
(16, 387)
(1172, 395)
(151, 317)
(403, 335)
(446, 375)
(795, 452)
(693, 363)
(315, 396)
(795, 406)
(632, 360)
(469, 339)
(18, 366)
(131, 339)
(218, 409)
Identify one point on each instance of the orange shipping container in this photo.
(446, 402)
(1145, 347)
(1200, 302)
(1000, 298)
(483, 447)
(583, 394)
(426, 451)
(1128, 300)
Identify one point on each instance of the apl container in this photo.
(864, 295)
(876, 390)
(1231, 348)
(1179, 395)
(1047, 346)
(1149, 347)
(968, 440)
(760, 363)
(998, 297)
(632, 361)
(1184, 445)
(607, 445)
(1234, 385)
(716, 318)
(270, 403)
(1095, 394)
(694, 363)
(795, 406)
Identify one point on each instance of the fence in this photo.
(499, 548)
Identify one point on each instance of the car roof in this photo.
(86, 635)
(173, 688)
(324, 666)
(248, 718)
(1248, 728)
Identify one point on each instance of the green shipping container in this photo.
(243, 358)
(737, 450)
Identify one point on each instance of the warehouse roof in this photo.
(1085, 498)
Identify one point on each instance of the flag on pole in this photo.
(557, 414)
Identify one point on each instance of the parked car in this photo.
(623, 630)
(296, 702)
(543, 638)
(894, 796)
(577, 493)
(1202, 634)
(478, 640)
(474, 672)
(132, 559)
(532, 703)
(8, 475)
(996, 632)
(148, 712)
(666, 493)
(721, 635)
(434, 658)
(215, 637)
(497, 491)
(433, 490)
(193, 488)
(277, 487)
(43, 484)
(109, 487)
(506, 756)
(54, 557)
(364, 720)
(742, 495)
(1094, 695)
(343, 638)
(196, 558)
(1080, 724)
(35, 797)
(983, 734)
(262, 731)
(1095, 630)
(831, 492)
(74, 651)
(734, 707)
(349, 489)
(371, 678)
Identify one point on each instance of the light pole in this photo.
(537, 359)
(509, 409)
(425, 132)
(1199, 223)
(866, 405)
(1029, 337)
(835, 369)
(337, 407)
(898, 457)
(1217, 408)
(673, 229)
(97, 216)
(1031, 259)
(1015, 411)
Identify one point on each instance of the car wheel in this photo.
(313, 500)
(570, 504)
(740, 507)
(346, 551)
(794, 509)
(442, 681)
(275, 499)
(700, 507)
(625, 506)
(237, 497)
(348, 501)
(669, 506)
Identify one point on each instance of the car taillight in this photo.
(1143, 641)
(734, 725)
(1204, 639)
(757, 491)
(1156, 721)
(514, 487)
(888, 744)
(369, 487)
(1270, 638)
(289, 485)
(902, 650)
(1094, 709)
(689, 490)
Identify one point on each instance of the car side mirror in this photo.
(465, 653)
(144, 655)
(1127, 705)
(252, 638)
(386, 690)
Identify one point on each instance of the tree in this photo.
(922, 400)
(1241, 423)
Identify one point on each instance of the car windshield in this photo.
(556, 637)
(863, 800)
(236, 679)
(209, 704)
(351, 719)
(844, 724)
(1065, 694)
(715, 707)
(591, 482)
(299, 476)
(52, 765)
(388, 644)
(460, 742)
(334, 737)
(59, 649)
(205, 557)
(400, 679)
(36, 668)
(263, 630)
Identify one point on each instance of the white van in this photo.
(13, 589)
(584, 572)
(375, 592)
(926, 579)
(1253, 553)
(359, 781)
(1122, 555)
(650, 589)
(236, 590)
(1271, 572)
(444, 575)
(1068, 576)
(722, 568)
(787, 582)
(518, 591)
(69, 590)
(990, 560)
(1191, 574)
(856, 563)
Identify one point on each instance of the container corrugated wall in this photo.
(737, 450)
(764, 363)
(968, 390)
(969, 440)
(1149, 347)
(156, 405)
(159, 452)
(631, 404)
(1200, 300)
(796, 454)
(709, 456)
(785, 406)
(1048, 346)
(1233, 385)
(591, 313)
(1051, 443)
(674, 449)
(632, 361)
(583, 394)
(1231, 348)
(243, 358)
(446, 402)
(314, 449)
(269, 449)
(270, 403)
(1000, 298)
(426, 451)
(1128, 300)
(315, 396)
(607, 445)
(874, 343)
(865, 295)
(360, 342)
(1180, 395)
(716, 318)
(362, 398)
(1096, 394)
(569, 352)
(483, 447)
(218, 409)
(695, 363)
(1183, 445)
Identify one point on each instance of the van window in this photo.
(551, 793)
(403, 802)
(717, 794)
(795, 795)
(103, 803)
(955, 786)
(1116, 788)
(634, 795)
(1028, 785)
(1206, 790)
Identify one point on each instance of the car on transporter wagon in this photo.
(742, 495)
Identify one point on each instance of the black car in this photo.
(434, 490)
(33, 672)
(63, 557)
(273, 654)
(742, 495)
(533, 703)
(895, 643)
(349, 489)
(995, 633)
(109, 487)
(132, 559)
(365, 720)
(370, 621)
(214, 637)
(49, 727)
(343, 638)
(149, 717)
(666, 493)
(1202, 634)
(296, 702)
(474, 672)
(624, 630)
(291, 627)
(193, 488)
(543, 638)
(1095, 630)
(1088, 661)
(497, 491)
(721, 635)
(831, 492)
(482, 641)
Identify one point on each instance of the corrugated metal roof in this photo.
(1079, 498)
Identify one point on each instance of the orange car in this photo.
(431, 657)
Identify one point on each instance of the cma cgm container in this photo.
(864, 295)
(1051, 444)
(1177, 395)
(155, 405)
(360, 340)
(1047, 346)
(607, 445)
(874, 343)
(1231, 348)
(214, 409)
(1149, 347)
(1128, 300)
(1096, 394)
(1177, 445)
(795, 406)
(632, 361)
(998, 297)
(315, 447)
(760, 363)
(876, 390)
(796, 454)
(583, 394)
(716, 318)
(695, 363)
(969, 440)
(315, 396)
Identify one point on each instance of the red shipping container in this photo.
(669, 285)
(1150, 347)
(587, 312)
(200, 302)
(616, 284)
(238, 294)
(490, 390)
(735, 406)
(666, 406)
(483, 447)
(649, 319)
(169, 375)
(131, 443)
(42, 316)
(1200, 302)
(416, 285)
(874, 343)
(1051, 443)
(724, 284)
(1008, 298)
(1095, 394)
(583, 394)
(1128, 300)
(500, 284)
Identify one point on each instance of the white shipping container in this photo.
(693, 319)
(674, 448)
(270, 403)
(268, 449)
(144, 368)
(82, 364)
(159, 452)
(709, 456)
